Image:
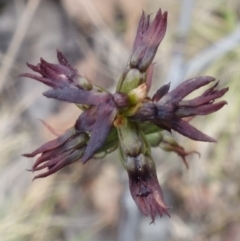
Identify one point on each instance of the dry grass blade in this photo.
(17, 40)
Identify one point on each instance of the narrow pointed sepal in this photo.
(185, 88)
(78, 96)
(189, 131)
(52, 144)
(59, 153)
(200, 110)
(161, 92)
(145, 188)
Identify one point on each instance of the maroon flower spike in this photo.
(145, 189)
(148, 37)
(59, 153)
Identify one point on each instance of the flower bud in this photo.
(154, 139)
(138, 94)
(130, 80)
(84, 83)
(129, 138)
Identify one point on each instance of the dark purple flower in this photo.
(60, 75)
(148, 37)
(144, 186)
(60, 152)
(167, 109)
(66, 82)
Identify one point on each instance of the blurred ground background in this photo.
(92, 202)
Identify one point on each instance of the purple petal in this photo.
(211, 89)
(153, 26)
(58, 79)
(161, 92)
(35, 68)
(152, 39)
(78, 96)
(142, 28)
(62, 60)
(162, 125)
(160, 31)
(53, 144)
(204, 98)
(145, 47)
(185, 88)
(101, 129)
(87, 119)
(67, 159)
(43, 158)
(52, 170)
(61, 69)
(188, 130)
(50, 162)
(200, 110)
(43, 80)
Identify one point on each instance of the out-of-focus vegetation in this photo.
(92, 202)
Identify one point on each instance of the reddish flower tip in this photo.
(145, 188)
(148, 37)
(59, 153)
(167, 109)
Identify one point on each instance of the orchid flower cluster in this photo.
(128, 120)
